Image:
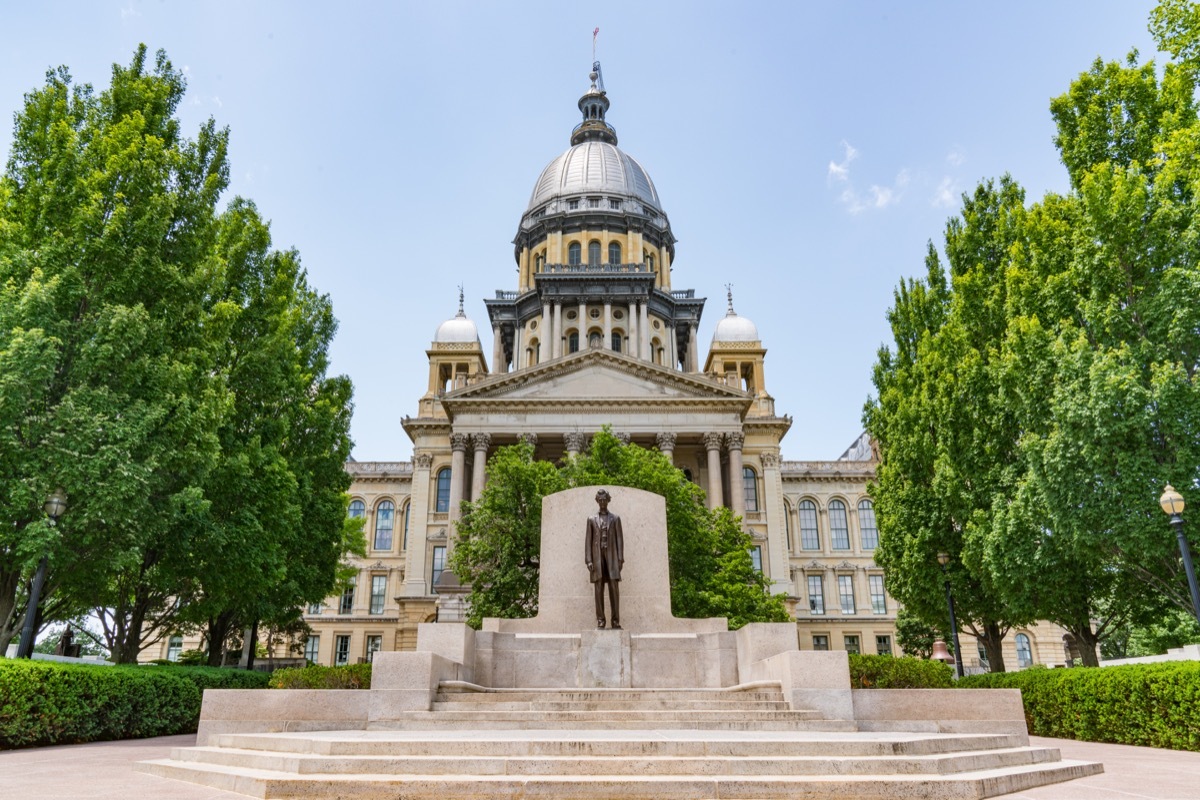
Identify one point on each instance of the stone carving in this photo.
(712, 440)
(376, 467)
(735, 440)
(624, 438)
(769, 460)
(459, 441)
(665, 441)
(604, 554)
(528, 438)
(481, 441)
(574, 441)
(423, 460)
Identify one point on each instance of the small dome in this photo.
(734, 328)
(457, 329)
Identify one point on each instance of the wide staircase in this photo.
(604, 744)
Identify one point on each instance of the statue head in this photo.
(602, 497)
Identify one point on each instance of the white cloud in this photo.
(840, 172)
(956, 157)
(129, 11)
(946, 193)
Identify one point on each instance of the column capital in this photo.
(665, 440)
(735, 439)
(423, 460)
(770, 460)
(713, 440)
(528, 438)
(624, 438)
(459, 441)
(481, 441)
(574, 441)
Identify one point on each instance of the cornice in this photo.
(827, 470)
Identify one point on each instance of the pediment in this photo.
(598, 375)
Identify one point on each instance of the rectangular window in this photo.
(820, 642)
(593, 202)
(756, 558)
(174, 648)
(378, 593)
(572, 204)
(374, 645)
(851, 644)
(750, 489)
(809, 539)
(314, 608)
(846, 593)
(883, 645)
(866, 525)
(439, 564)
(312, 646)
(346, 605)
(614, 204)
(341, 651)
(816, 594)
(878, 598)
(839, 527)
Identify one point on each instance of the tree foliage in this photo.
(497, 553)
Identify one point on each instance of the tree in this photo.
(711, 572)
(916, 637)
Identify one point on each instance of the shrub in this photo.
(223, 678)
(1152, 705)
(888, 672)
(351, 676)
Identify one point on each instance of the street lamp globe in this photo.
(1171, 501)
(943, 558)
(56, 505)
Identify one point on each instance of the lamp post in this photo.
(944, 559)
(1172, 503)
(55, 506)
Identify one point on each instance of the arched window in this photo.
(358, 509)
(532, 353)
(384, 513)
(595, 340)
(866, 525)
(407, 514)
(574, 253)
(750, 487)
(1024, 651)
(616, 341)
(839, 528)
(810, 539)
(443, 490)
(787, 525)
(650, 262)
(614, 252)
(573, 342)
(594, 254)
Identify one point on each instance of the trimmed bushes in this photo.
(45, 703)
(1153, 705)
(888, 672)
(351, 676)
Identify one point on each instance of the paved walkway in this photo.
(103, 770)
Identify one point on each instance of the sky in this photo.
(805, 152)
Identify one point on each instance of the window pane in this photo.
(443, 490)
(816, 594)
(851, 643)
(314, 608)
(866, 525)
(374, 645)
(883, 645)
(614, 252)
(616, 342)
(756, 558)
(357, 509)
(174, 648)
(878, 597)
(341, 651)
(439, 564)
(787, 526)
(407, 514)
(1024, 651)
(347, 604)
(312, 646)
(846, 593)
(820, 642)
(750, 487)
(594, 254)
(573, 343)
(839, 530)
(573, 250)
(983, 659)
(809, 539)
(384, 514)
(378, 593)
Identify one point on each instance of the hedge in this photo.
(888, 672)
(45, 703)
(351, 676)
(1153, 705)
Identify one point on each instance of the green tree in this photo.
(916, 637)
(712, 574)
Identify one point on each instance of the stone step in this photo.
(633, 743)
(502, 722)
(273, 784)
(622, 764)
(606, 695)
(648, 717)
(661, 704)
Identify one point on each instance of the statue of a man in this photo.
(604, 553)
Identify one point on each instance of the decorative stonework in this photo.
(665, 441)
(769, 460)
(574, 441)
(379, 467)
(713, 440)
(481, 441)
(529, 438)
(735, 439)
(423, 460)
(459, 442)
(623, 438)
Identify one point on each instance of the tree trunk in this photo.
(128, 645)
(1085, 641)
(993, 645)
(218, 631)
(9, 581)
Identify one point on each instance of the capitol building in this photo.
(597, 333)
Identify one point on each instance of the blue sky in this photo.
(805, 152)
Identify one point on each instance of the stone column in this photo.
(583, 325)
(693, 355)
(737, 502)
(479, 443)
(666, 445)
(631, 330)
(497, 349)
(573, 441)
(558, 330)
(778, 566)
(458, 480)
(547, 336)
(644, 331)
(712, 443)
(418, 528)
(607, 324)
(518, 347)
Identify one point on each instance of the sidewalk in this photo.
(103, 771)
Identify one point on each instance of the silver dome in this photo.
(734, 328)
(594, 167)
(458, 329)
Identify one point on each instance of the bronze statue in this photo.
(604, 553)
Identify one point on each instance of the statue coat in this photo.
(612, 556)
